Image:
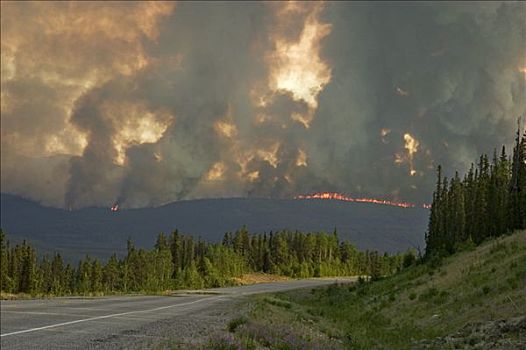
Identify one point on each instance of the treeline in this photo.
(178, 261)
(490, 200)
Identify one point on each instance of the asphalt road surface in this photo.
(127, 321)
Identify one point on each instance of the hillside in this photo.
(473, 299)
(100, 232)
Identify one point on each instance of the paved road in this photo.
(124, 321)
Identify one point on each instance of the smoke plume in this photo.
(144, 103)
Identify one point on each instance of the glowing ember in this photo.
(114, 207)
(345, 198)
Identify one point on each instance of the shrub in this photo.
(435, 261)
(498, 246)
(278, 302)
(412, 296)
(433, 295)
(409, 259)
(512, 282)
(236, 322)
(466, 246)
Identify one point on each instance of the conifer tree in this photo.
(57, 275)
(111, 274)
(516, 190)
(96, 276)
(5, 280)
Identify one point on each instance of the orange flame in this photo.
(114, 207)
(345, 198)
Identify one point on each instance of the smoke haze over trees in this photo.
(145, 103)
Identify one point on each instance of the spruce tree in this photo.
(111, 274)
(5, 280)
(517, 187)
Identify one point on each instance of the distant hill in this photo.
(100, 232)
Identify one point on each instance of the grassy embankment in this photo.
(410, 309)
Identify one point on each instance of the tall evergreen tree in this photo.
(5, 279)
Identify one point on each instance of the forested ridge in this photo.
(179, 261)
(490, 200)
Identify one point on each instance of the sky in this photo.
(145, 103)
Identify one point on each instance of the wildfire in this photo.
(270, 154)
(302, 158)
(345, 198)
(253, 176)
(114, 207)
(137, 125)
(225, 128)
(297, 67)
(216, 172)
(411, 146)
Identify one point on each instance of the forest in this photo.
(178, 261)
(490, 200)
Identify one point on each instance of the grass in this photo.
(422, 302)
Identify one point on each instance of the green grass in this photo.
(422, 302)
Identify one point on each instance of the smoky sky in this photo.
(147, 103)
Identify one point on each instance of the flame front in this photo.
(345, 198)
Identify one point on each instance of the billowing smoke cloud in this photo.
(146, 103)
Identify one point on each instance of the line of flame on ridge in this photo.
(342, 197)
